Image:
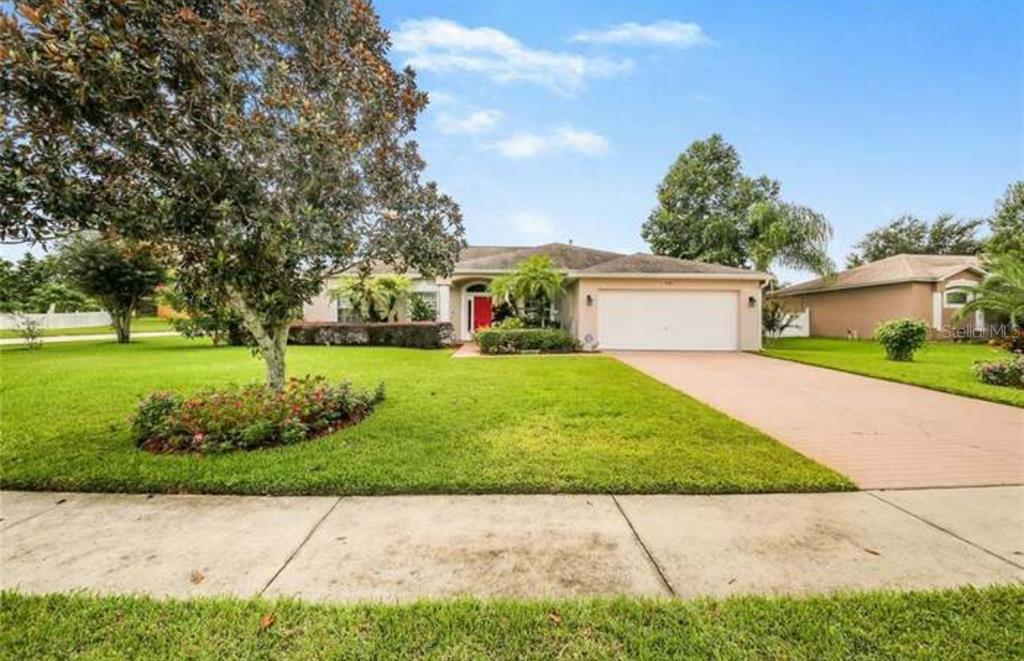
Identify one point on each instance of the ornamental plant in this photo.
(901, 337)
(249, 417)
(1007, 372)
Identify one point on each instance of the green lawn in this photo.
(519, 424)
(140, 325)
(940, 365)
(952, 624)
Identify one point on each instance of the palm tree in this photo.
(1001, 292)
(535, 280)
(790, 235)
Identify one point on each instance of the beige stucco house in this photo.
(855, 301)
(611, 301)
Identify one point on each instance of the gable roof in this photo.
(659, 264)
(563, 256)
(581, 262)
(889, 271)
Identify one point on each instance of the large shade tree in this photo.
(1007, 223)
(709, 210)
(909, 235)
(265, 142)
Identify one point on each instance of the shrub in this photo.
(1006, 372)
(901, 337)
(415, 334)
(1012, 341)
(420, 309)
(510, 323)
(499, 340)
(249, 417)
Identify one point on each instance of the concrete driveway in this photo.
(882, 435)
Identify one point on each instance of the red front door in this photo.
(481, 312)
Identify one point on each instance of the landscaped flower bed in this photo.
(1007, 372)
(249, 417)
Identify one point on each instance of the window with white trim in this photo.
(956, 297)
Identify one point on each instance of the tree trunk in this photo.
(122, 322)
(271, 341)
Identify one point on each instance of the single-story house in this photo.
(853, 302)
(611, 300)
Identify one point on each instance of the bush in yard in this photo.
(415, 334)
(901, 337)
(510, 323)
(249, 417)
(420, 309)
(550, 340)
(1005, 372)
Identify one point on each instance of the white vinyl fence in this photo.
(56, 319)
(800, 327)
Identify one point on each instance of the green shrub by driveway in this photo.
(516, 340)
(561, 424)
(944, 366)
(966, 624)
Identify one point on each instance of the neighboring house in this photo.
(611, 301)
(855, 301)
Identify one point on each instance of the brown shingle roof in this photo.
(563, 255)
(891, 270)
(644, 263)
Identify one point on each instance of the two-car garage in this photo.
(669, 319)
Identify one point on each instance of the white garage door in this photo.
(668, 320)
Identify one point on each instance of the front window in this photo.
(346, 313)
(956, 298)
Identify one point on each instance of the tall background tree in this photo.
(1007, 224)
(265, 142)
(117, 273)
(909, 235)
(708, 210)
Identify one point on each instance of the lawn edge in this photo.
(948, 391)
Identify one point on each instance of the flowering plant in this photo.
(248, 417)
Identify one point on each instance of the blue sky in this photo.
(553, 121)
(556, 121)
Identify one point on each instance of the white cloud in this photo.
(661, 33)
(522, 145)
(475, 122)
(527, 145)
(533, 225)
(441, 45)
(583, 142)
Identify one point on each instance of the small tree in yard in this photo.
(117, 273)
(530, 288)
(264, 142)
(901, 338)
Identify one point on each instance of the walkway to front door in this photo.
(880, 434)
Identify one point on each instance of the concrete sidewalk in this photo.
(405, 547)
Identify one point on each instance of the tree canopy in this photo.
(1007, 223)
(907, 234)
(265, 142)
(116, 272)
(708, 210)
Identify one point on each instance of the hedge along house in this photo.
(932, 288)
(611, 300)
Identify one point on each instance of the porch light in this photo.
(590, 300)
(752, 301)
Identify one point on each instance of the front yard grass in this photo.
(944, 366)
(951, 624)
(511, 425)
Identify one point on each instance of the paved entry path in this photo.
(406, 547)
(882, 435)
